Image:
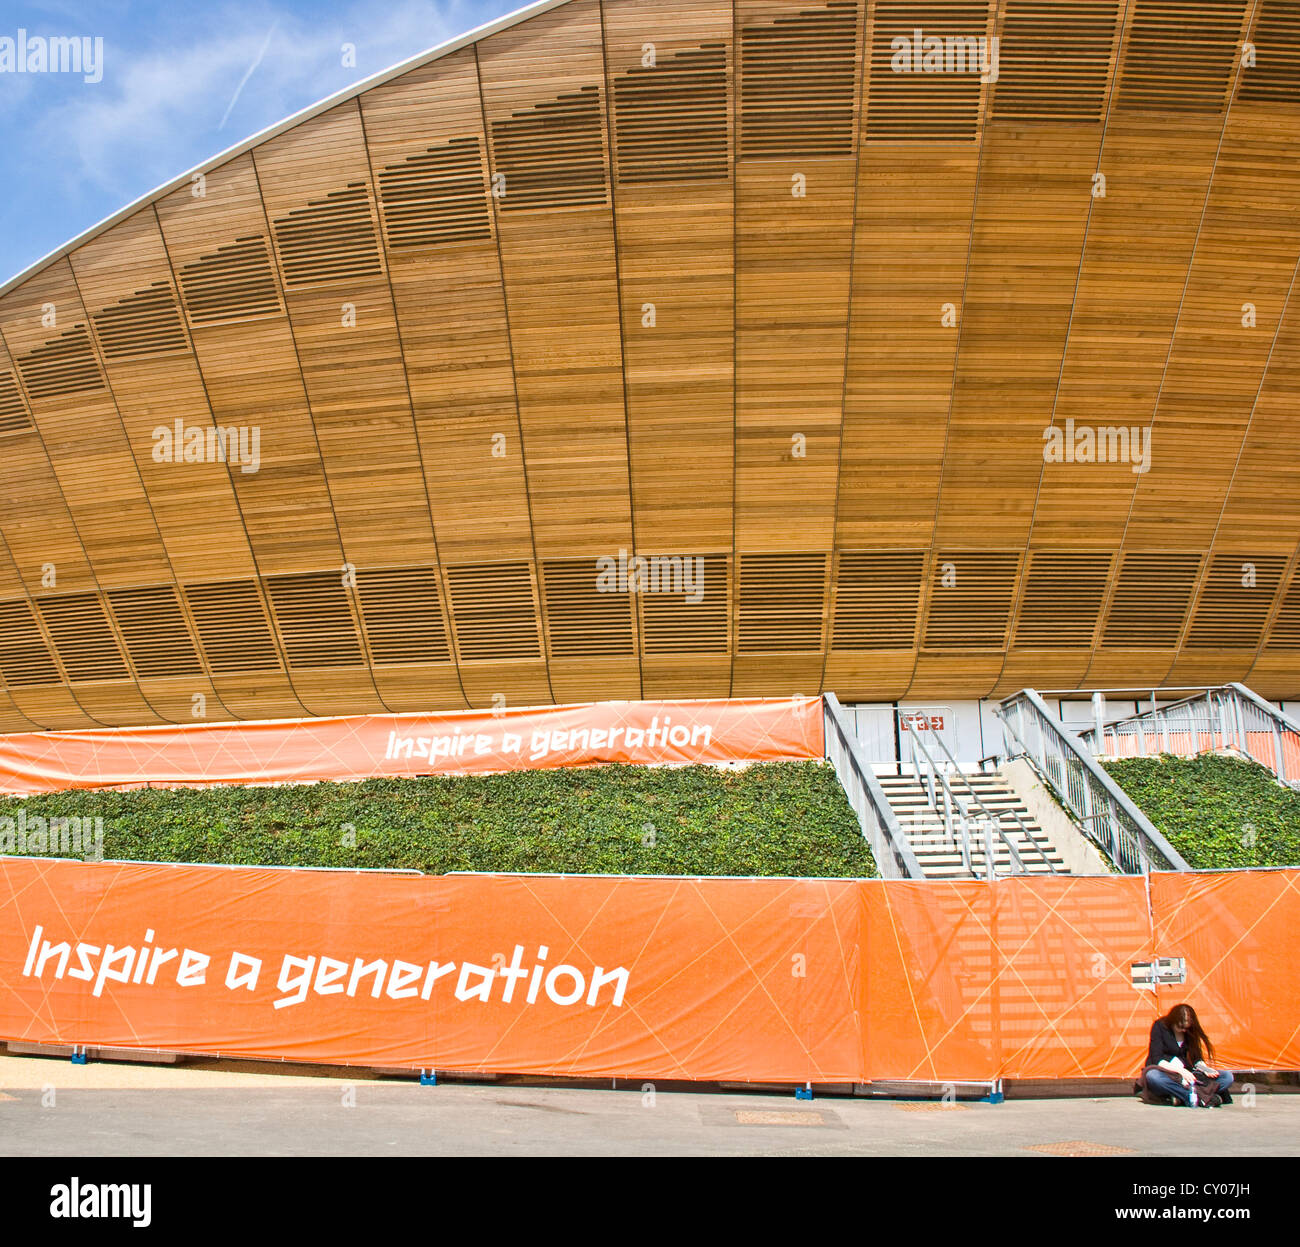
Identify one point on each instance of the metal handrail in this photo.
(1231, 716)
(876, 818)
(1100, 809)
(949, 799)
(997, 819)
(990, 817)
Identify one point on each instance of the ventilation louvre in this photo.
(494, 611)
(234, 282)
(1231, 613)
(232, 626)
(13, 411)
(64, 365)
(436, 197)
(1055, 58)
(25, 658)
(671, 120)
(1063, 597)
(798, 80)
(1179, 57)
(970, 600)
(923, 107)
(553, 154)
(1275, 76)
(876, 598)
(315, 620)
(331, 239)
(1151, 600)
(81, 634)
(584, 618)
(1285, 633)
(402, 611)
(147, 322)
(156, 635)
(671, 624)
(782, 602)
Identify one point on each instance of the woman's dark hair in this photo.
(1197, 1043)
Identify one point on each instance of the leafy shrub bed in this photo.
(787, 818)
(1218, 812)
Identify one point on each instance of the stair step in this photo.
(983, 795)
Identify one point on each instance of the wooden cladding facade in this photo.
(678, 348)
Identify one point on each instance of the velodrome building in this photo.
(920, 351)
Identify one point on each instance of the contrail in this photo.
(234, 99)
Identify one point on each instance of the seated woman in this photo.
(1179, 1052)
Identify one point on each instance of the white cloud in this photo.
(159, 111)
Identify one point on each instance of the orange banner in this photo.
(1236, 931)
(667, 978)
(644, 733)
(766, 980)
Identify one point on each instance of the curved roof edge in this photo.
(313, 110)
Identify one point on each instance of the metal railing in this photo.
(936, 781)
(1227, 718)
(1096, 803)
(880, 826)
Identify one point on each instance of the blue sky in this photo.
(72, 152)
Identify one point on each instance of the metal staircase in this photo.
(963, 825)
(961, 846)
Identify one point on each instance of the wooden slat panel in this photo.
(315, 181)
(497, 623)
(674, 156)
(88, 468)
(781, 623)
(428, 153)
(560, 262)
(1036, 178)
(83, 436)
(1246, 254)
(51, 705)
(874, 629)
(38, 530)
(967, 621)
(156, 383)
(1151, 598)
(508, 410)
(286, 502)
(793, 258)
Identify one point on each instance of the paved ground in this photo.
(49, 1107)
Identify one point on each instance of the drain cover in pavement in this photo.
(750, 1117)
(1080, 1147)
(931, 1106)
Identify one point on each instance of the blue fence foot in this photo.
(803, 1093)
(995, 1095)
(428, 1078)
(78, 1056)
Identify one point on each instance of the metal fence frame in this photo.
(876, 818)
(1229, 717)
(1096, 803)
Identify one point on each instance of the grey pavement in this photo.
(50, 1108)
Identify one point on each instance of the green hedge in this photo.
(778, 819)
(1216, 811)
